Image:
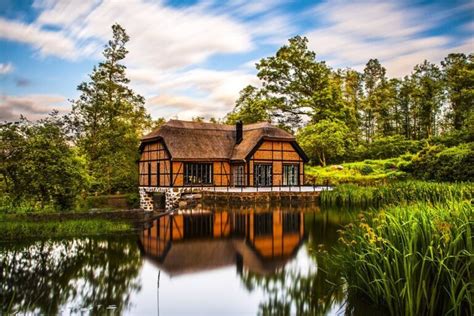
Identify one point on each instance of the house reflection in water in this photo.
(193, 241)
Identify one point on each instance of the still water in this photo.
(203, 262)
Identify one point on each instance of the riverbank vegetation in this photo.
(413, 259)
(11, 229)
(411, 250)
(402, 192)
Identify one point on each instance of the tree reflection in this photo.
(84, 274)
(312, 290)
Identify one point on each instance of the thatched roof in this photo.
(208, 141)
(202, 255)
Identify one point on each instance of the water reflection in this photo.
(212, 261)
(70, 276)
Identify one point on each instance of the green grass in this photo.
(16, 230)
(350, 195)
(414, 259)
(367, 172)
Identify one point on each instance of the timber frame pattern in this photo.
(159, 168)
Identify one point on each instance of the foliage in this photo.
(445, 164)
(249, 108)
(324, 140)
(350, 195)
(415, 260)
(458, 70)
(297, 87)
(367, 172)
(110, 118)
(390, 146)
(39, 167)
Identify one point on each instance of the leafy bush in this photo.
(445, 164)
(391, 146)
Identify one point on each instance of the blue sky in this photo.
(190, 58)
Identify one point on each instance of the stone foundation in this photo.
(172, 196)
(190, 197)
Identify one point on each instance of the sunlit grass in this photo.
(16, 230)
(396, 193)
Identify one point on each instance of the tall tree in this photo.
(374, 81)
(110, 119)
(458, 71)
(297, 86)
(428, 96)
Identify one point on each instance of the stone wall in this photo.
(172, 195)
(190, 197)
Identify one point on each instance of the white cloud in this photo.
(194, 92)
(6, 68)
(352, 33)
(46, 42)
(32, 106)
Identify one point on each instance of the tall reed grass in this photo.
(413, 259)
(396, 193)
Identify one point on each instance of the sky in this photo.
(191, 58)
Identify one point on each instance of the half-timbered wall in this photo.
(154, 166)
(221, 174)
(277, 154)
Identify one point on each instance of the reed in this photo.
(396, 193)
(413, 259)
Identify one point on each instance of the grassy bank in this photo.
(414, 259)
(367, 172)
(16, 230)
(350, 195)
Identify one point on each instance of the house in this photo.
(186, 154)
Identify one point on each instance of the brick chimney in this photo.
(238, 132)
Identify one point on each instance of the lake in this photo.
(217, 261)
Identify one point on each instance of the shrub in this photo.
(445, 164)
(366, 169)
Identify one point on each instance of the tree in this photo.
(297, 87)
(428, 96)
(250, 107)
(374, 81)
(458, 75)
(42, 167)
(325, 140)
(110, 118)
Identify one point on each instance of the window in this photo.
(238, 175)
(290, 174)
(197, 173)
(262, 175)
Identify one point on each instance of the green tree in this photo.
(374, 82)
(110, 119)
(325, 140)
(42, 167)
(458, 73)
(250, 107)
(428, 96)
(298, 87)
